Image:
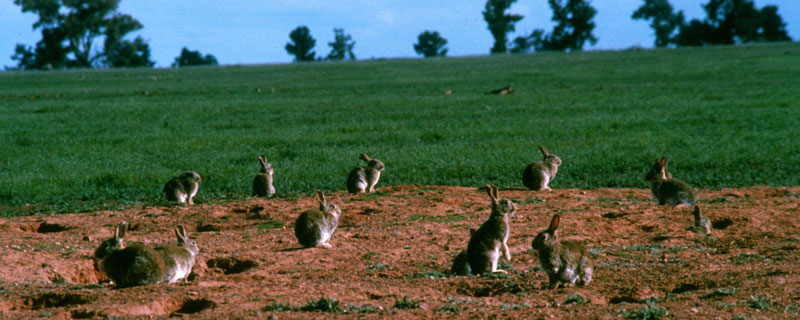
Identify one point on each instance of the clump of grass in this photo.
(278, 307)
(575, 298)
(448, 309)
(760, 302)
(351, 308)
(406, 303)
(369, 255)
(650, 312)
(719, 292)
(430, 274)
(516, 306)
(322, 305)
(270, 224)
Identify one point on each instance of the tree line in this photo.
(70, 28)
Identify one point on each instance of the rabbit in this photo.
(537, 175)
(110, 245)
(364, 179)
(460, 264)
(667, 190)
(701, 223)
(139, 264)
(262, 184)
(314, 227)
(509, 89)
(564, 261)
(183, 187)
(486, 243)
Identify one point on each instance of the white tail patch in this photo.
(182, 197)
(362, 185)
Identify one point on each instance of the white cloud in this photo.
(387, 17)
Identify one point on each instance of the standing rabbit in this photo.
(537, 175)
(667, 190)
(701, 223)
(364, 179)
(141, 265)
(262, 183)
(183, 187)
(486, 243)
(564, 261)
(314, 227)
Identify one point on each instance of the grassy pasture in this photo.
(86, 139)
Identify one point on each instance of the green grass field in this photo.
(82, 140)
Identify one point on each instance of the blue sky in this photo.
(255, 32)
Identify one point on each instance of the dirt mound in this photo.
(392, 254)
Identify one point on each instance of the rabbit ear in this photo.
(489, 190)
(696, 211)
(554, 224)
(180, 231)
(119, 233)
(494, 192)
(544, 151)
(662, 161)
(263, 160)
(320, 197)
(364, 157)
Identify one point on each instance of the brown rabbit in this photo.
(183, 187)
(141, 265)
(486, 243)
(667, 190)
(315, 227)
(262, 183)
(364, 179)
(537, 175)
(564, 261)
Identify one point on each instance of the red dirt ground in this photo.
(400, 243)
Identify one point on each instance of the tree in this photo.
(129, 54)
(341, 45)
(70, 28)
(733, 22)
(573, 29)
(665, 22)
(431, 44)
(301, 44)
(773, 28)
(499, 23)
(193, 58)
(526, 44)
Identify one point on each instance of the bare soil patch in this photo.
(392, 254)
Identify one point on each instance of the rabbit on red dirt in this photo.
(262, 183)
(314, 227)
(139, 264)
(668, 190)
(537, 175)
(364, 179)
(487, 243)
(565, 262)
